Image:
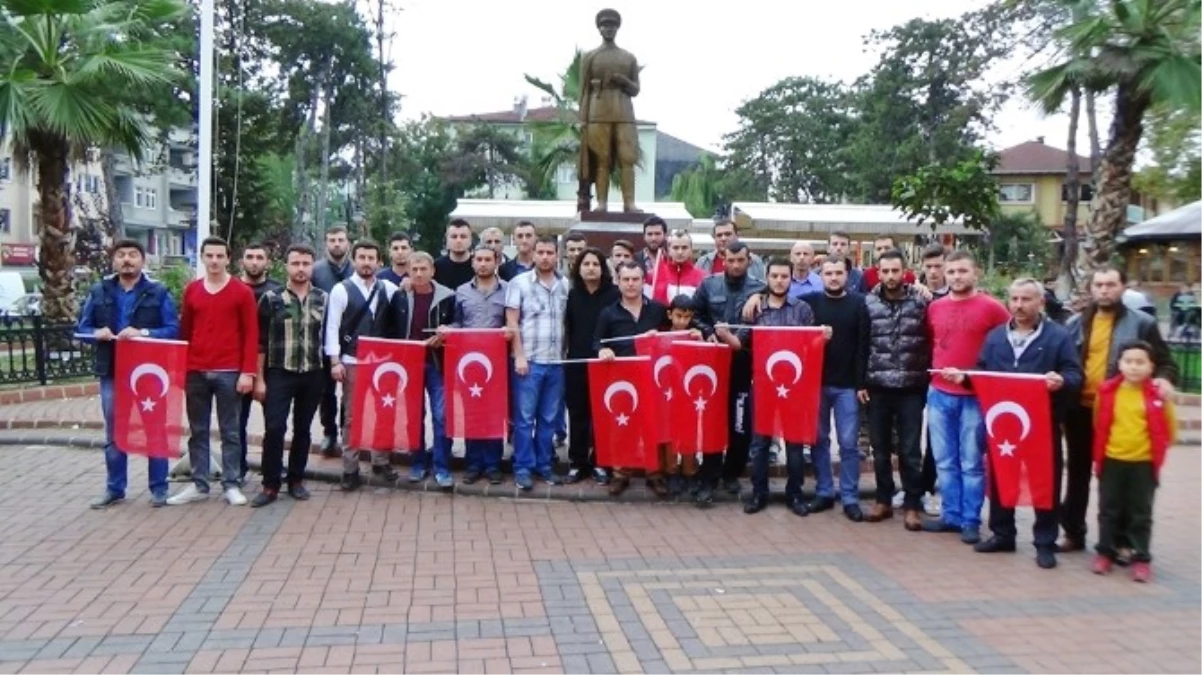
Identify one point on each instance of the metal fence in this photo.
(33, 350)
(1187, 353)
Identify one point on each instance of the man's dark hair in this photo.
(1107, 269)
(960, 254)
(892, 254)
(575, 236)
(738, 247)
(302, 249)
(523, 223)
(834, 261)
(654, 221)
(336, 229)
(933, 251)
(1141, 345)
(459, 222)
(547, 240)
(631, 265)
(622, 243)
(254, 246)
(682, 302)
(837, 234)
(482, 248)
(724, 222)
(214, 241)
(777, 261)
(129, 243)
(607, 279)
(399, 236)
(885, 237)
(365, 244)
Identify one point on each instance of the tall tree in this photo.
(708, 189)
(486, 156)
(65, 63)
(1174, 144)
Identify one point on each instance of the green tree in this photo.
(1017, 244)
(556, 142)
(938, 194)
(67, 63)
(420, 153)
(486, 156)
(708, 190)
(1174, 143)
(1145, 51)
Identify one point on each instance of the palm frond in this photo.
(137, 65)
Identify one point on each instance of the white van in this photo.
(12, 289)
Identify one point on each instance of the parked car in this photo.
(29, 304)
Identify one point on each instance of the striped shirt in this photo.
(290, 329)
(541, 312)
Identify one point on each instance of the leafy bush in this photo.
(175, 277)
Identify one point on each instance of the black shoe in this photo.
(574, 476)
(675, 485)
(106, 500)
(494, 476)
(970, 536)
(732, 486)
(799, 508)
(298, 492)
(329, 447)
(351, 482)
(705, 495)
(471, 477)
(264, 498)
(692, 485)
(600, 476)
(1045, 557)
(821, 504)
(386, 473)
(853, 513)
(994, 544)
(755, 505)
(939, 526)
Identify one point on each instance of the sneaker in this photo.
(524, 482)
(574, 476)
(732, 486)
(675, 485)
(755, 504)
(705, 495)
(235, 497)
(494, 476)
(939, 526)
(386, 473)
(970, 535)
(329, 447)
(600, 476)
(264, 498)
(417, 474)
(106, 500)
(298, 492)
(444, 480)
(933, 505)
(1101, 564)
(471, 476)
(551, 478)
(351, 482)
(899, 499)
(158, 500)
(188, 495)
(1141, 572)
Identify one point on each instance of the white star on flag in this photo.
(667, 394)
(782, 391)
(699, 404)
(388, 400)
(1007, 448)
(622, 420)
(147, 405)
(476, 390)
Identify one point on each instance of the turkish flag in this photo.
(148, 396)
(786, 381)
(388, 392)
(699, 412)
(476, 374)
(625, 404)
(658, 348)
(1018, 423)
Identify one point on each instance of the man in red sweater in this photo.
(872, 275)
(677, 275)
(220, 324)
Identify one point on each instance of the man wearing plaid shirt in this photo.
(535, 304)
(290, 372)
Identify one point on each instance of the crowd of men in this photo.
(899, 341)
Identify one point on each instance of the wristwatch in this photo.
(144, 333)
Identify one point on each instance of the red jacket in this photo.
(672, 280)
(1158, 423)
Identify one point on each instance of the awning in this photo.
(551, 216)
(1180, 224)
(860, 221)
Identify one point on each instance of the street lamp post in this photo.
(204, 186)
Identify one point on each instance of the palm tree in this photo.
(1147, 52)
(65, 64)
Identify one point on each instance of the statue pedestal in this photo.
(603, 228)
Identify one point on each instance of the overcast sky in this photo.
(457, 57)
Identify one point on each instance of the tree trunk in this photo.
(385, 122)
(324, 183)
(1072, 186)
(302, 175)
(112, 199)
(1095, 145)
(57, 264)
(1109, 214)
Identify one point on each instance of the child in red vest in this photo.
(1133, 429)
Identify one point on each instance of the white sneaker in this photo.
(235, 497)
(186, 496)
(899, 499)
(933, 505)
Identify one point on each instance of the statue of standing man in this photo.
(609, 79)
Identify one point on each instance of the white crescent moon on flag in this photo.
(1008, 408)
(385, 368)
(701, 371)
(788, 357)
(621, 386)
(475, 357)
(150, 369)
(661, 363)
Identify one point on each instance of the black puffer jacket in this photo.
(899, 352)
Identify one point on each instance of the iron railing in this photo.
(1187, 353)
(34, 350)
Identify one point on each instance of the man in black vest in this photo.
(363, 300)
(327, 273)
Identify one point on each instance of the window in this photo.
(147, 198)
(566, 174)
(6, 168)
(5, 220)
(91, 184)
(1086, 193)
(1017, 193)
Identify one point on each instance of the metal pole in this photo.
(204, 183)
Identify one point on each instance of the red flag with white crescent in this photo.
(388, 393)
(624, 404)
(476, 377)
(664, 373)
(1017, 410)
(699, 412)
(786, 381)
(148, 396)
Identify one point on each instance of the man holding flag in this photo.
(125, 305)
(1029, 450)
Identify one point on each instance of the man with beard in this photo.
(654, 231)
(455, 268)
(714, 262)
(290, 373)
(899, 356)
(523, 260)
(255, 264)
(328, 273)
(719, 303)
(400, 245)
(843, 372)
(677, 275)
(1097, 333)
(123, 306)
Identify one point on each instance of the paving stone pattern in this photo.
(388, 581)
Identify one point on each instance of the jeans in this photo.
(483, 455)
(201, 389)
(843, 403)
(538, 395)
(116, 462)
(890, 409)
(438, 409)
(302, 393)
(1001, 519)
(795, 464)
(350, 456)
(243, 421)
(957, 437)
(1078, 441)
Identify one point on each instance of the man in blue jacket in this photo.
(1030, 343)
(125, 305)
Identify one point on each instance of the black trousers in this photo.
(1125, 494)
(1078, 439)
(580, 416)
(898, 409)
(738, 415)
(300, 392)
(1001, 520)
(331, 420)
(930, 477)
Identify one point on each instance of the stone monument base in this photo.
(603, 228)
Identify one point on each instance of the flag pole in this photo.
(204, 178)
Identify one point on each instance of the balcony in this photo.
(137, 216)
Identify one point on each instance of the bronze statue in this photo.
(609, 79)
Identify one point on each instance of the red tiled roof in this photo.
(541, 114)
(1037, 157)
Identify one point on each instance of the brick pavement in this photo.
(381, 581)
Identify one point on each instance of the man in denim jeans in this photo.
(959, 324)
(220, 322)
(535, 304)
(123, 306)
